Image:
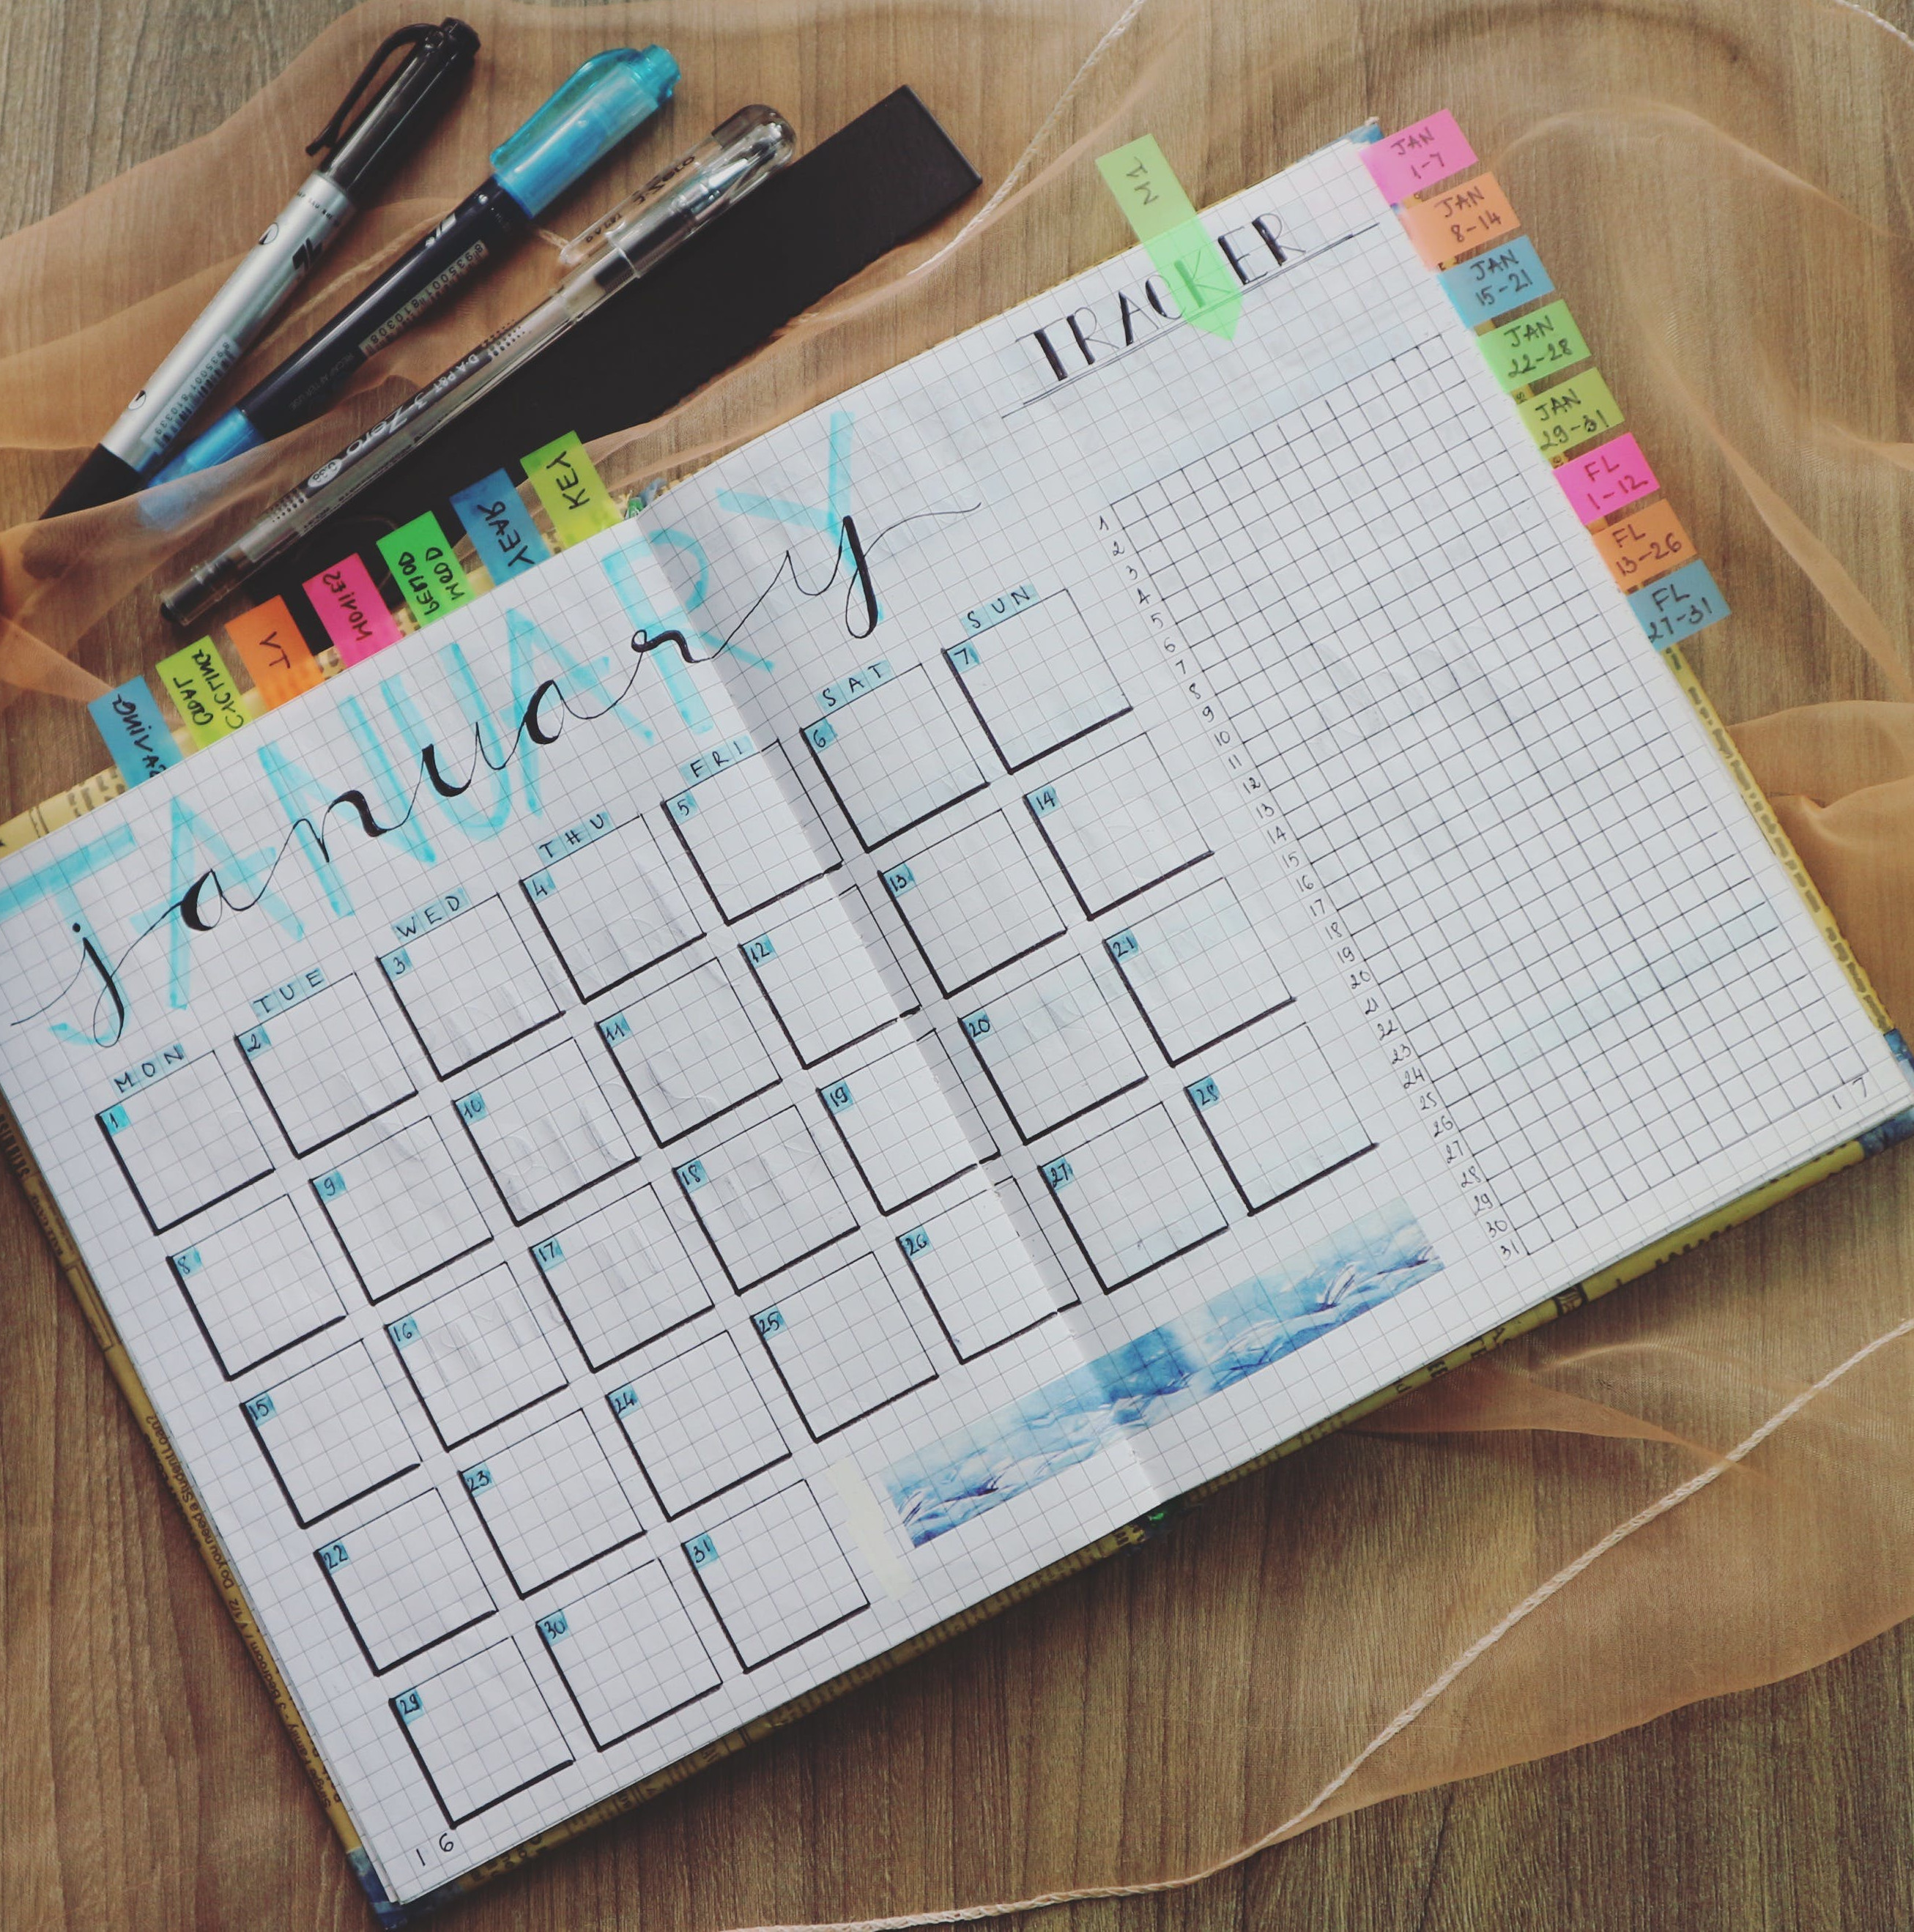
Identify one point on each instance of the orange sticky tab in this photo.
(274, 651)
(1643, 544)
(1451, 223)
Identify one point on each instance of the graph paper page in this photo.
(1007, 947)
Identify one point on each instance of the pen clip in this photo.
(329, 137)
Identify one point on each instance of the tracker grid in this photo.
(629, 1654)
(1116, 826)
(612, 909)
(1037, 680)
(1491, 799)
(324, 1065)
(468, 986)
(405, 1581)
(939, 892)
(688, 1052)
(893, 757)
(401, 1210)
(185, 1143)
(476, 1355)
(481, 1732)
(258, 1285)
(698, 1425)
(752, 834)
(1133, 1199)
(843, 1347)
(622, 1277)
(766, 1199)
(1053, 1048)
(331, 1434)
(776, 1576)
(551, 1502)
(544, 1130)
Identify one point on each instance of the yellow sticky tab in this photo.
(577, 502)
(202, 691)
(1206, 291)
(1571, 413)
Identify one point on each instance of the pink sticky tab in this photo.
(352, 611)
(1606, 479)
(1418, 156)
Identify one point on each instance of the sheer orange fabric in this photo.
(1697, 1485)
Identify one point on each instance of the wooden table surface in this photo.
(144, 1781)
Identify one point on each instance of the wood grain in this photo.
(145, 1782)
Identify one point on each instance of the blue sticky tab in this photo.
(503, 533)
(137, 735)
(1489, 285)
(1678, 605)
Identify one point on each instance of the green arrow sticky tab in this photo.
(1204, 290)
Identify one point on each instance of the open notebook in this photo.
(1027, 939)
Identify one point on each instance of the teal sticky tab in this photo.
(136, 734)
(1678, 605)
(1489, 286)
(494, 513)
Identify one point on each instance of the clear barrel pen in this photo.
(615, 251)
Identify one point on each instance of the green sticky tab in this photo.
(1541, 343)
(1571, 413)
(202, 691)
(422, 564)
(578, 504)
(1203, 288)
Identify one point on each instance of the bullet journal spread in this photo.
(1025, 939)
